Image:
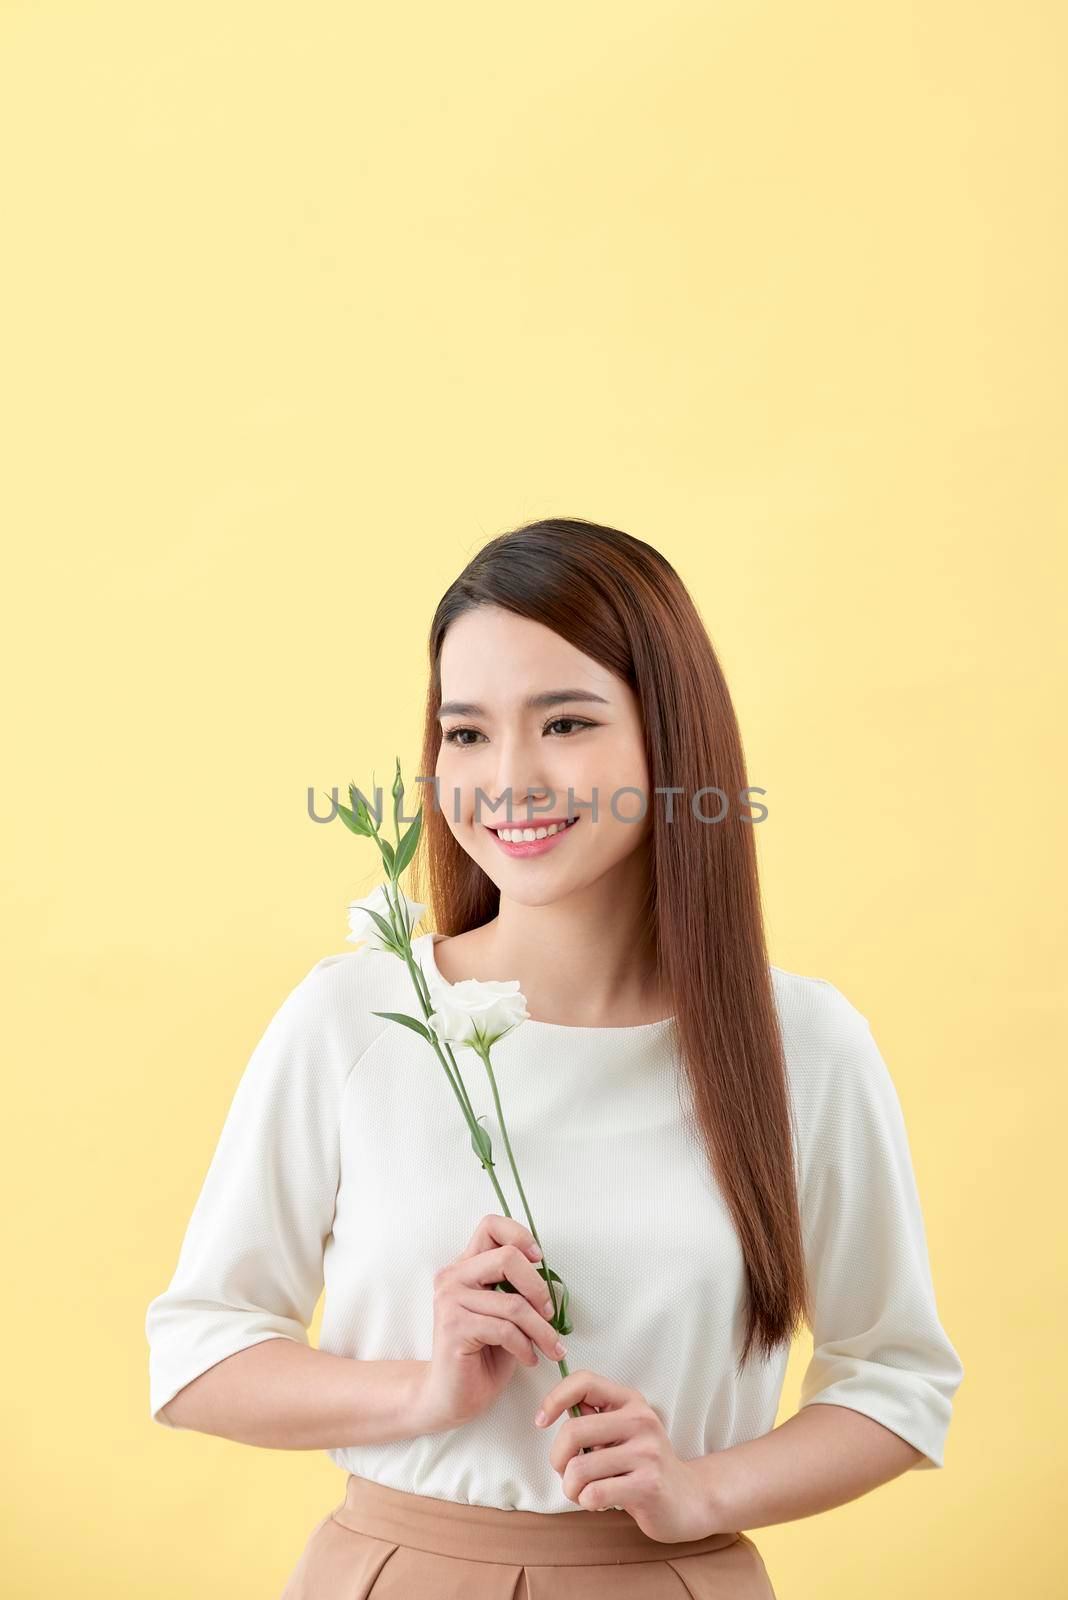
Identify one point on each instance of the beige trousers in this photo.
(391, 1545)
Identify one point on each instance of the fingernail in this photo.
(535, 1251)
(540, 1418)
(558, 1349)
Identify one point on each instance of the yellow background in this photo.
(301, 305)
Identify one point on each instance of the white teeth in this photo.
(525, 835)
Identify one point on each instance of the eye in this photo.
(578, 723)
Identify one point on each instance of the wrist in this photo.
(711, 1474)
(383, 1401)
(428, 1414)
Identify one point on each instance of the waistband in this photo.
(516, 1538)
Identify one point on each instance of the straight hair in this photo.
(619, 601)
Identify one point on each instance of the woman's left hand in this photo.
(633, 1466)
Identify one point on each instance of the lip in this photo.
(532, 847)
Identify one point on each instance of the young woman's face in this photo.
(589, 739)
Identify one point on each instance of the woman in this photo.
(712, 1146)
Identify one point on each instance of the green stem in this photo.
(459, 1088)
(562, 1363)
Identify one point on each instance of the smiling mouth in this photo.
(530, 833)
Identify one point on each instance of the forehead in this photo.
(496, 658)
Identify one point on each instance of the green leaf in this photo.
(482, 1145)
(351, 821)
(409, 1022)
(406, 848)
(360, 807)
(560, 1322)
(381, 924)
(387, 855)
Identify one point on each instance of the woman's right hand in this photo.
(481, 1332)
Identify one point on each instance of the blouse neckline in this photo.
(632, 1030)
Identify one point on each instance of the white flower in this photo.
(476, 1013)
(365, 929)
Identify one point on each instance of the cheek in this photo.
(622, 794)
(619, 838)
(623, 828)
(455, 790)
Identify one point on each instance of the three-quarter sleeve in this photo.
(250, 1266)
(878, 1345)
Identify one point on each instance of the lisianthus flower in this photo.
(476, 1013)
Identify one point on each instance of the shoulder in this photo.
(832, 1058)
(816, 1018)
(328, 1016)
(348, 980)
(842, 1093)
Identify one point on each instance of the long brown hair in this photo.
(621, 602)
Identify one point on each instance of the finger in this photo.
(578, 1386)
(515, 1309)
(609, 1464)
(508, 1263)
(595, 1431)
(522, 1275)
(607, 1494)
(500, 1331)
(494, 1230)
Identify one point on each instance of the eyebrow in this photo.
(533, 702)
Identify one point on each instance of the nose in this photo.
(516, 803)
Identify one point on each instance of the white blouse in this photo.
(345, 1163)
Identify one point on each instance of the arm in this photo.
(229, 1349)
(286, 1396)
(821, 1457)
(876, 1397)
